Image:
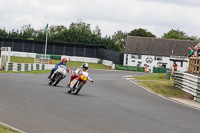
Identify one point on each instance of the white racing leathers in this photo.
(79, 71)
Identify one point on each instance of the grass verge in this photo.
(162, 86)
(70, 64)
(4, 129)
(21, 60)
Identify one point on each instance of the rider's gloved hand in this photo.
(68, 70)
(92, 81)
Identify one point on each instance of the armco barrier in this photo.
(129, 68)
(188, 83)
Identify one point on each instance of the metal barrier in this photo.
(188, 83)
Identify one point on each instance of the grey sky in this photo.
(158, 16)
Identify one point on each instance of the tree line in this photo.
(81, 32)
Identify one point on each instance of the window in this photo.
(158, 58)
(133, 60)
(136, 56)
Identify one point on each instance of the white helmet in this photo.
(85, 65)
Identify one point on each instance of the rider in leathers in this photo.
(64, 61)
(79, 70)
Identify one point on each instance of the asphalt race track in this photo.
(110, 105)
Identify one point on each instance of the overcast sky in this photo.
(158, 16)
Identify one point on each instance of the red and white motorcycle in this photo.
(78, 83)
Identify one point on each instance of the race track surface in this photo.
(110, 105)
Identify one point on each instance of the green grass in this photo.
(21, 60)
(70, 64)
(162, 86)
(75, 64)
(4, 129)
(6, 72)
(159, 76)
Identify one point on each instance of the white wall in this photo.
(20, 54)
(154, 62)
(81, 59)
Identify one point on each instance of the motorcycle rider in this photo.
(64, 62)
(79, 70)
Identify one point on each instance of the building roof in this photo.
(157, 46)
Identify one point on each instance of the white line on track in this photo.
(15, 129)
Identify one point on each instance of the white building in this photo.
(156, 52)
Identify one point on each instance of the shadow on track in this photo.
(78, 95)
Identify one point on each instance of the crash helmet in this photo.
(64, 59)
(85, 66)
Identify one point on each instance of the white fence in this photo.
(188, 83)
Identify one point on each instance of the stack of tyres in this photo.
(25, 67)
(31, 67)
(19, 67)
(43, 66)
(10, 66)
(37, 66)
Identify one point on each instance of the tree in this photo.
(28, 32)
(175, 34)
(3, 33)
(194, 38)
(78, 32)
(119, 38)
(54, 33)
(141, 32)
(14, 34)
(40, 35)
(97, 31)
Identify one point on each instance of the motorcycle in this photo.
(77, 83)
(58, 75)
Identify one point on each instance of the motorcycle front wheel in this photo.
(50, 82)
(78, 88)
